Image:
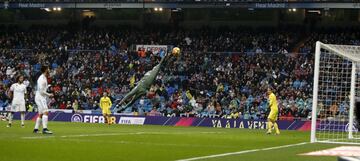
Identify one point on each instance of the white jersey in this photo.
(41, 95)
(19, 91)
(42, 86)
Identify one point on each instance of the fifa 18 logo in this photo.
(76, 118)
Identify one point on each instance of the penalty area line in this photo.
(243, 152)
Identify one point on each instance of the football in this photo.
(176, 51)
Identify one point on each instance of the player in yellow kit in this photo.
(273, 112)
(105, 104)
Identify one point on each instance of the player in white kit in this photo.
(41, 97)
(17, 93)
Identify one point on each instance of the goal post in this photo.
(335, 88)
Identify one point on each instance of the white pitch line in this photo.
(241, 152)
(124, 133)
(145, 143)
(87, 135)
(37, 137)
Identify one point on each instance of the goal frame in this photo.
(354, 60)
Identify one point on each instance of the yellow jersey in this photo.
(105, 103)
(273, 102)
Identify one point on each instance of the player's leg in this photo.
(37, 123)
(274, 118)
(108, 118)
(22, 110)
(11, 114)
(10, 117)
(105, 117)
(40, 111)
(45, 117)
(136, 97)
(107, 113)
(125, 106)
(269, 126)
(22, 116)
(129, 95)
(45, 123)
(104, 113)
(270, 122)
(276, 127)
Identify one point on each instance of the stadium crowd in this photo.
(221, 72)
(242, 39)
(349, 36)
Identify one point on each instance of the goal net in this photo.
(336, 90)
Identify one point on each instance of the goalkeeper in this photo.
(273, 112)
(145, 82)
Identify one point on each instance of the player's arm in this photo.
(11, 92)
(26, 94)
(271, 100)
(43, 91)
(110, 103)
(100, 103)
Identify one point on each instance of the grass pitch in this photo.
(96, 142)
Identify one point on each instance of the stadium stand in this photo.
(228, 78)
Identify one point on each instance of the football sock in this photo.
(45, 121)
(22, 118)
(38, 122)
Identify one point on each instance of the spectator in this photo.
(334, 109)
(75, 106)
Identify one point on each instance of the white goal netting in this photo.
(336, 90)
